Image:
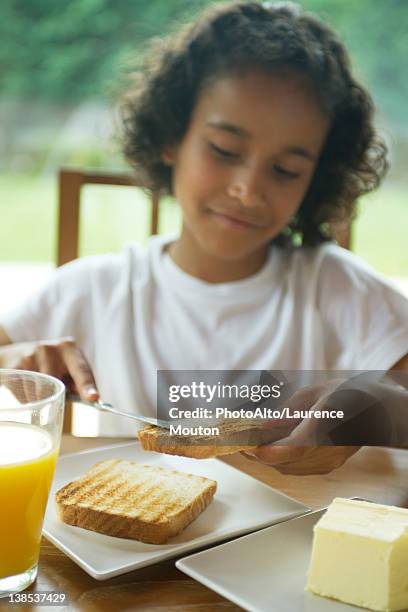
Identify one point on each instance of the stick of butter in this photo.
(360, 555)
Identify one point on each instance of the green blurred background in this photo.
(62, 67)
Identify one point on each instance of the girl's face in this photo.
(245, 163)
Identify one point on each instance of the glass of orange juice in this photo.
(31, 416)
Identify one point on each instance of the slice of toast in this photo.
(235, 435)
(129, 500)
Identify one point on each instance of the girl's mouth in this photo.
(234, 222)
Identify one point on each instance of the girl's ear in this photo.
(168, 155)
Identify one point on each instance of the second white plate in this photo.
(241, 504)
(264, 571)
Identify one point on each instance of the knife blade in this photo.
(104, 406)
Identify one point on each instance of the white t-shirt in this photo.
(136, 312)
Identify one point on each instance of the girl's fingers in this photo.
(25, 390)
(28, 362)
(273, 455)
(30, 390)
(286, 449)
(79, 370)
(320, 460)
(49, 360)
(302, 461)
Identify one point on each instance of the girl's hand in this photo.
(298, 453)
(375, 413)
(61, 358)
(308, 448)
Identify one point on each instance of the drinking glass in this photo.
(31, 416)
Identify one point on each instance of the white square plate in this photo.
(241, 504)
(264, 571)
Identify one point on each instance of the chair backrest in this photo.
(70, 185)
(69, 202)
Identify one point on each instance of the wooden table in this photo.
(374, 473)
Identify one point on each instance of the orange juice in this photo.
(27, 463)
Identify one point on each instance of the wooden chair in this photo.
(69, 208)
(70, 185)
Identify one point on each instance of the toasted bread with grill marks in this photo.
(235, 435)
(128, 500)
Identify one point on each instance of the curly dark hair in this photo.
(235, 37)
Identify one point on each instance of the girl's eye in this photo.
(224, 153)
(285, 173)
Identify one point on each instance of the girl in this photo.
(252, 119)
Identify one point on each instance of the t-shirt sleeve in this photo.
(61, 307)
(364, 318)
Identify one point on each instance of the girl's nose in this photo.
(247, 187)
